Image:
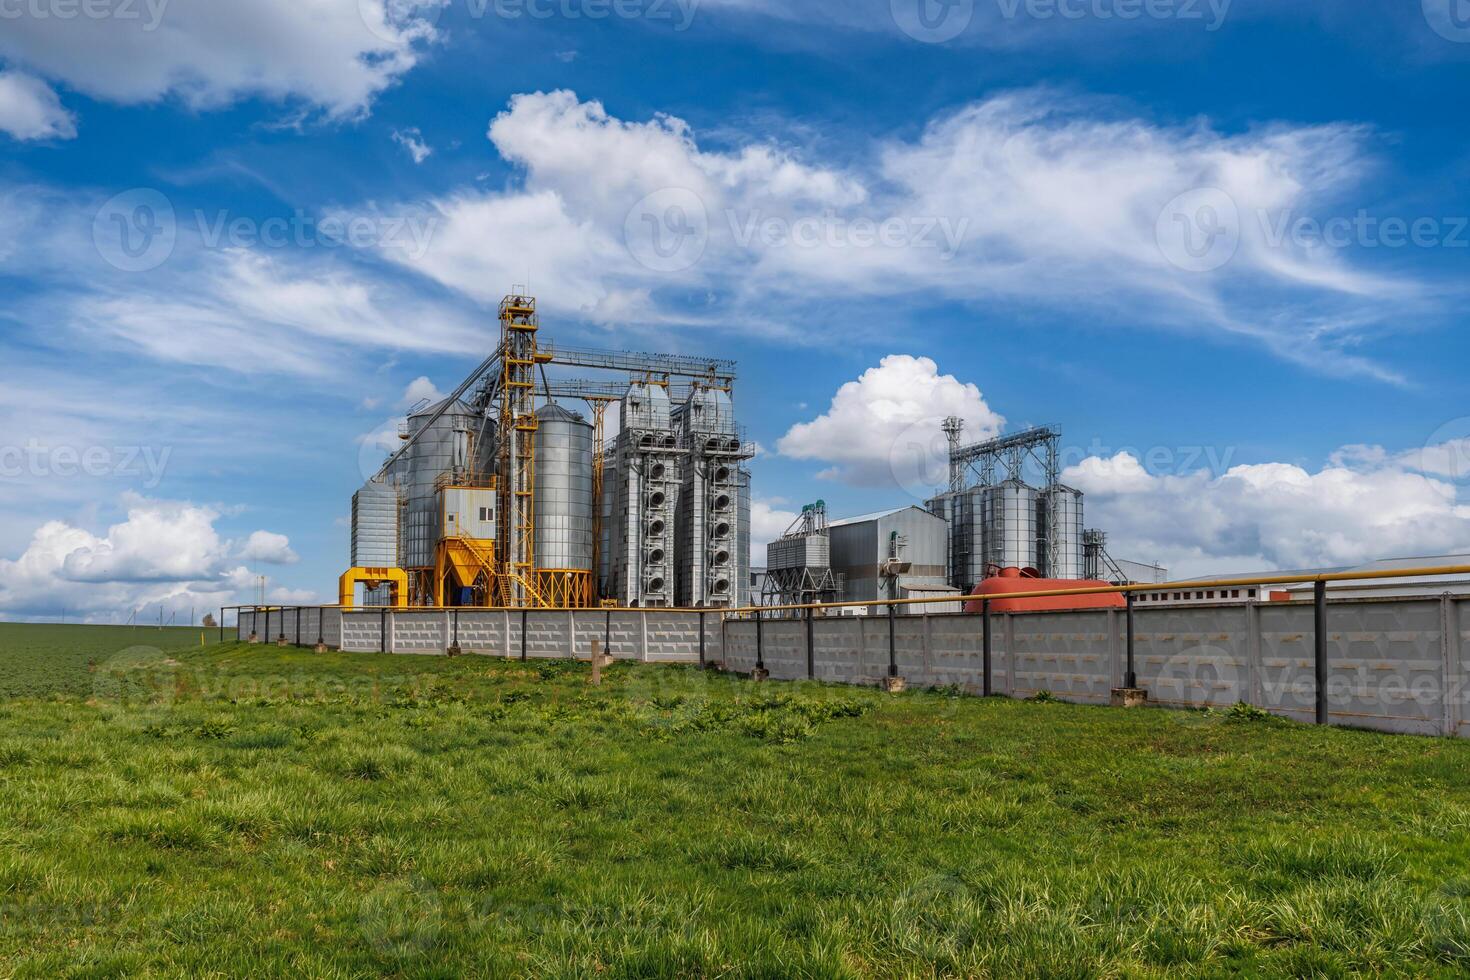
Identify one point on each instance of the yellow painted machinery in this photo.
(373, 578)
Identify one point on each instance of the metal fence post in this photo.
(222, 624)
(1319, 598)
(760, 650)
(523, 632)
(701, 638)
(892, 640)
(811, 647)
(383, 630)
(298, 626)
(986, 645)
(1130, 676)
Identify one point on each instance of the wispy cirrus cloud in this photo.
(1038, 198)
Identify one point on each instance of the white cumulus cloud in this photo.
(1271, 515)
(269, 547)
(335, 56)
(421, 390)
(165, 552)
(884, 428)
(30, 110)
(767, 523)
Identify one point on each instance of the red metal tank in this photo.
(1026, 580)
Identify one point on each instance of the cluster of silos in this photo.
(396, 518)
(1012, 525)
(676, 503)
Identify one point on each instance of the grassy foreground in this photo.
(252, 811)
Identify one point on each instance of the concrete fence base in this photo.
(1396, 665)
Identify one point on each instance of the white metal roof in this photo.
(865, 518)
(1381, 565)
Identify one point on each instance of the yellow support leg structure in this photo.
(372, 578)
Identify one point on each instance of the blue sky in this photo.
(1222, 245)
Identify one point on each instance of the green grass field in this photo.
(39, 660)
(253, 811)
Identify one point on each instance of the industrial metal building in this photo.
(896, 554)
(1005, 507)
(502, 496)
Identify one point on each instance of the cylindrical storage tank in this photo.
(1063, 509)
(1013, 580)
(439, 448)
(563, 490)
(1010, 533)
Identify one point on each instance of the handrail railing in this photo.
(1192, 586)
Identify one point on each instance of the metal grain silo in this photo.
(442, 449)
(375, 526)
(1010, 531)
(563, 505)
(1061, 514)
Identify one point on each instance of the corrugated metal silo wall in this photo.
(375, 527)
(563, 491)
(1066, 504)
(1010, 531)
(433, 454)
